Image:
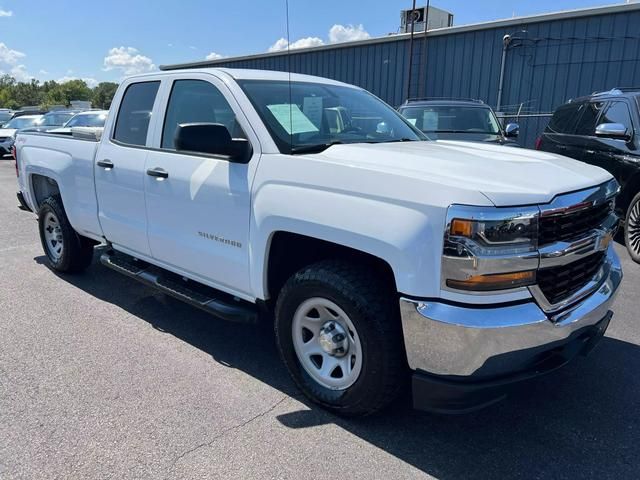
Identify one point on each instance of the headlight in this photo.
(489, 249)
(498, 235)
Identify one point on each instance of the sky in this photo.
(108, 40)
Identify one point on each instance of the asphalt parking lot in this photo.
(101, 377)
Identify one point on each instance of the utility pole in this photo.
(423, 61)
(413, 19)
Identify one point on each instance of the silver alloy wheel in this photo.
(53, 236)
(633, 228)
(327, 344)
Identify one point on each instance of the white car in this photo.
(9, 130)
(90, 118)
(380, 255)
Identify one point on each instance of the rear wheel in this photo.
(66, 251)
(632, 229)
(339, 334)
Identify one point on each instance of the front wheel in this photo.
(66, 251)
(339, 334)
(632, 229)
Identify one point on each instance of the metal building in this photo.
(548, 59)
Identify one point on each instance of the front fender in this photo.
(407, 236)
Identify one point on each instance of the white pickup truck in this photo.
(382, 257)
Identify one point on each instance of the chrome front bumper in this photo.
(479, 343)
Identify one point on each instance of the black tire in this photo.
(632, 229)
(77, 251)
(372, 307)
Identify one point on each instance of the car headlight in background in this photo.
(490, 249)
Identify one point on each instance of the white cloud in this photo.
(337, 34)
(214, 56)
(307, 42)
(10, 60)
(347, 33)
(6, 13)
(9, 56)
(19, 72)
(281, 44)
(43, 72)
(90, 81)
(128, 60)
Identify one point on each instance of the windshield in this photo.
(87, 120)
(4, 116)
(53, 119)
(452, 119)
(305, 117)
(22, 122)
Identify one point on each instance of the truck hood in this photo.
(506, 176)
(7, 132)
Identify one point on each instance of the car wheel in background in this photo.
(632, 229)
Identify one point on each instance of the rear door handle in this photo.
(108, 164)
(158, 172)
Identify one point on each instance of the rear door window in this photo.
(589, 113)
(132, 123)
(564, 119)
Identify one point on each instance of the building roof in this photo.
(509, 22)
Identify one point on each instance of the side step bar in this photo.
(200, 296)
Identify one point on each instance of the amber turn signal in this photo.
(495, 281)
(462, 228)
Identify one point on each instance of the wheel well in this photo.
(289, 252)
(43, 188)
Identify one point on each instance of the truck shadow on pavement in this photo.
(579, 422)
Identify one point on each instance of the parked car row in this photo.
(58, 121)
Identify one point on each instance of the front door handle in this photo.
(158, 172)
(108, 164)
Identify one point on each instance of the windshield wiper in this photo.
(460, 131)
(316, 148)
(403, 139)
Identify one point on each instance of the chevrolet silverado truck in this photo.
(384, 259)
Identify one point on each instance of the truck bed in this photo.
(69, 161)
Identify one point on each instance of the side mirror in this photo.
(511, 130)
(612, 130)
(212, 138)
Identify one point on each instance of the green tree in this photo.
(27, 93)
(15, 94)
(103, 94)
(76, 90)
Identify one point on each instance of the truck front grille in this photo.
(567, 226)
(560, 283)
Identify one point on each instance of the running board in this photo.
(205, 298)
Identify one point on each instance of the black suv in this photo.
(458, 119)
(602, 130)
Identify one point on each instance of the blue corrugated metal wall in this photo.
(548, 62)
